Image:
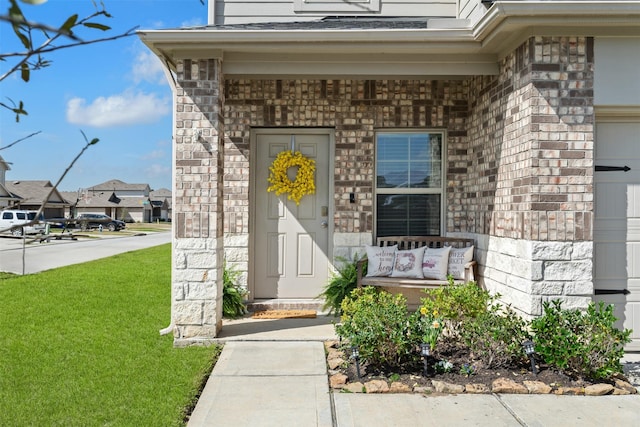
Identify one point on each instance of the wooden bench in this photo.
(412, 242)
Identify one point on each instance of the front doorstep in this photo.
(285, 304)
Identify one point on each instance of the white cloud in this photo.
(147, 67)
(123, 109)
(193, 22)
(156, 170)
(155, 154)
(157, 24)
(164, 143)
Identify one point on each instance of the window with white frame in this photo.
(409, 183)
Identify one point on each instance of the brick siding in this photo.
(530, 146)
(355, 109)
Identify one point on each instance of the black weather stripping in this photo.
(613, 168)
(612, 291)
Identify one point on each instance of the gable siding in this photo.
(472, 10)
(246, 11)
(616, 82)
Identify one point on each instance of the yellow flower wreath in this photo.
(280, 182)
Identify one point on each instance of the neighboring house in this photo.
(506, 122)
(119, 200)
(31, 195)
(161, 204)
(6, 198)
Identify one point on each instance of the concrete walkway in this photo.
(267, 384)
(273, 373)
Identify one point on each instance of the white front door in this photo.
(617, 224)
(290, 242)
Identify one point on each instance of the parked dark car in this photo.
(89, 221)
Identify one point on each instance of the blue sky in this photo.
(115, 91)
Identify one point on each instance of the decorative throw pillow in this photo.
(458, 257)
(380, 260)
(408, 264)
(435, 263)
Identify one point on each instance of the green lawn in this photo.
(79, 346)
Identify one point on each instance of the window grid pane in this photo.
(411, 162)
(408, 215)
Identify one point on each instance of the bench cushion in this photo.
(408, 264)
(435, 263)
(458, 258)
(380, 260)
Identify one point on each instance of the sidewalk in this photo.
(273, 373)
(266, 384)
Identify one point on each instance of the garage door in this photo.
(617, 223)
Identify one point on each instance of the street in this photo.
(59, 253)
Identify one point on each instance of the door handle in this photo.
(324, 224)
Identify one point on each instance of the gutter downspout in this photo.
(173, 84)
(211, 10)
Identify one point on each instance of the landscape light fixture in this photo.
(355, 354)
(529, 351)
(425, 351)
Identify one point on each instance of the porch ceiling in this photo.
(429, 48)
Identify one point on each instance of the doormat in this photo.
(284, 314)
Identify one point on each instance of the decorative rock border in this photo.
(339, 381)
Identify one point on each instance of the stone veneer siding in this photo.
(519, 168)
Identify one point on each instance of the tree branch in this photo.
(55, 187)
(25, 30)
(79, 42)
(19, 140)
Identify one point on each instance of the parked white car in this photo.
(13, 218)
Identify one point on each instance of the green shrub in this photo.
(495, 337)
(232, 294)
(581, 343)
(340, 284)
(377, 323)
(455, 303)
